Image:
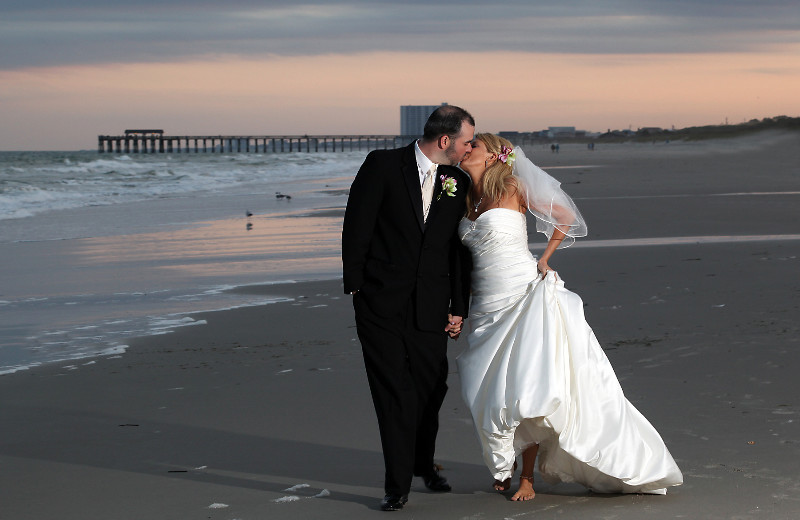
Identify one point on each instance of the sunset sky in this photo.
(73, 69)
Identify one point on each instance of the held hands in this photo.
(454, 324)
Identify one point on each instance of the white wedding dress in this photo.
(533, 372)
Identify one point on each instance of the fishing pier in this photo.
(154, 141)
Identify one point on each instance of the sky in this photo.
(73, 69)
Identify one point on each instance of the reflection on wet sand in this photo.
(269, 244)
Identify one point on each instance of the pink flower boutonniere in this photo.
(448, 186)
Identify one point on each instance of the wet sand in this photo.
(264, 412)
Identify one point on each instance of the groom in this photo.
(403, 263)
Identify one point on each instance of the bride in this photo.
(533, 374)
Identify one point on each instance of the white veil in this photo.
(552, 208)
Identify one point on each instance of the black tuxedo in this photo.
(409, 275)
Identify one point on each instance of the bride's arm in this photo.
(514, 200)
(552, 245)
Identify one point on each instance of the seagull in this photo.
(248, 214)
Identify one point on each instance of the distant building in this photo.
(413, 117)
(561, 131)
(650, 130)
(518, 137)
(617, 133)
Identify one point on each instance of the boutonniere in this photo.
(448, 186)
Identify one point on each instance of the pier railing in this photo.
(157, 143)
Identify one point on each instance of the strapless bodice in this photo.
(502, 264)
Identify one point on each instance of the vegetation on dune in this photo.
(694, 133)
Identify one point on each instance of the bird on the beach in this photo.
(249, 226)
(247, 213)
(279, 195)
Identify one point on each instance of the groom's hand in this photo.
(454, 324)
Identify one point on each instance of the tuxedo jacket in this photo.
(390, 254)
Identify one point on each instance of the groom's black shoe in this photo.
(435, 482)
(392, 502)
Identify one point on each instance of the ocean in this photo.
(99, 248)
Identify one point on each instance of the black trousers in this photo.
(407, 374)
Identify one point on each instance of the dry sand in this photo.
(264, 412)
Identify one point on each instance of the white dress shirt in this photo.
(423, 163)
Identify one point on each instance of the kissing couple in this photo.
(436, 232)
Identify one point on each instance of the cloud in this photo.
(65, 32)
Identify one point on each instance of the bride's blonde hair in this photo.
(498, 181)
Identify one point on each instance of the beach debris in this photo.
(177, 471)
(751, 442)
(128, 424)
(284, 371)
(294, 498)
(217, 505)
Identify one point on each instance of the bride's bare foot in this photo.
(506, 484)
(502, 486)
(525, 491)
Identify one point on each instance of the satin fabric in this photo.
(533, 372)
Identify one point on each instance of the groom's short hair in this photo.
(446, 120)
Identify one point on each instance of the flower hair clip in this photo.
(506, 155)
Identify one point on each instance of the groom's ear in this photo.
(444, 141)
